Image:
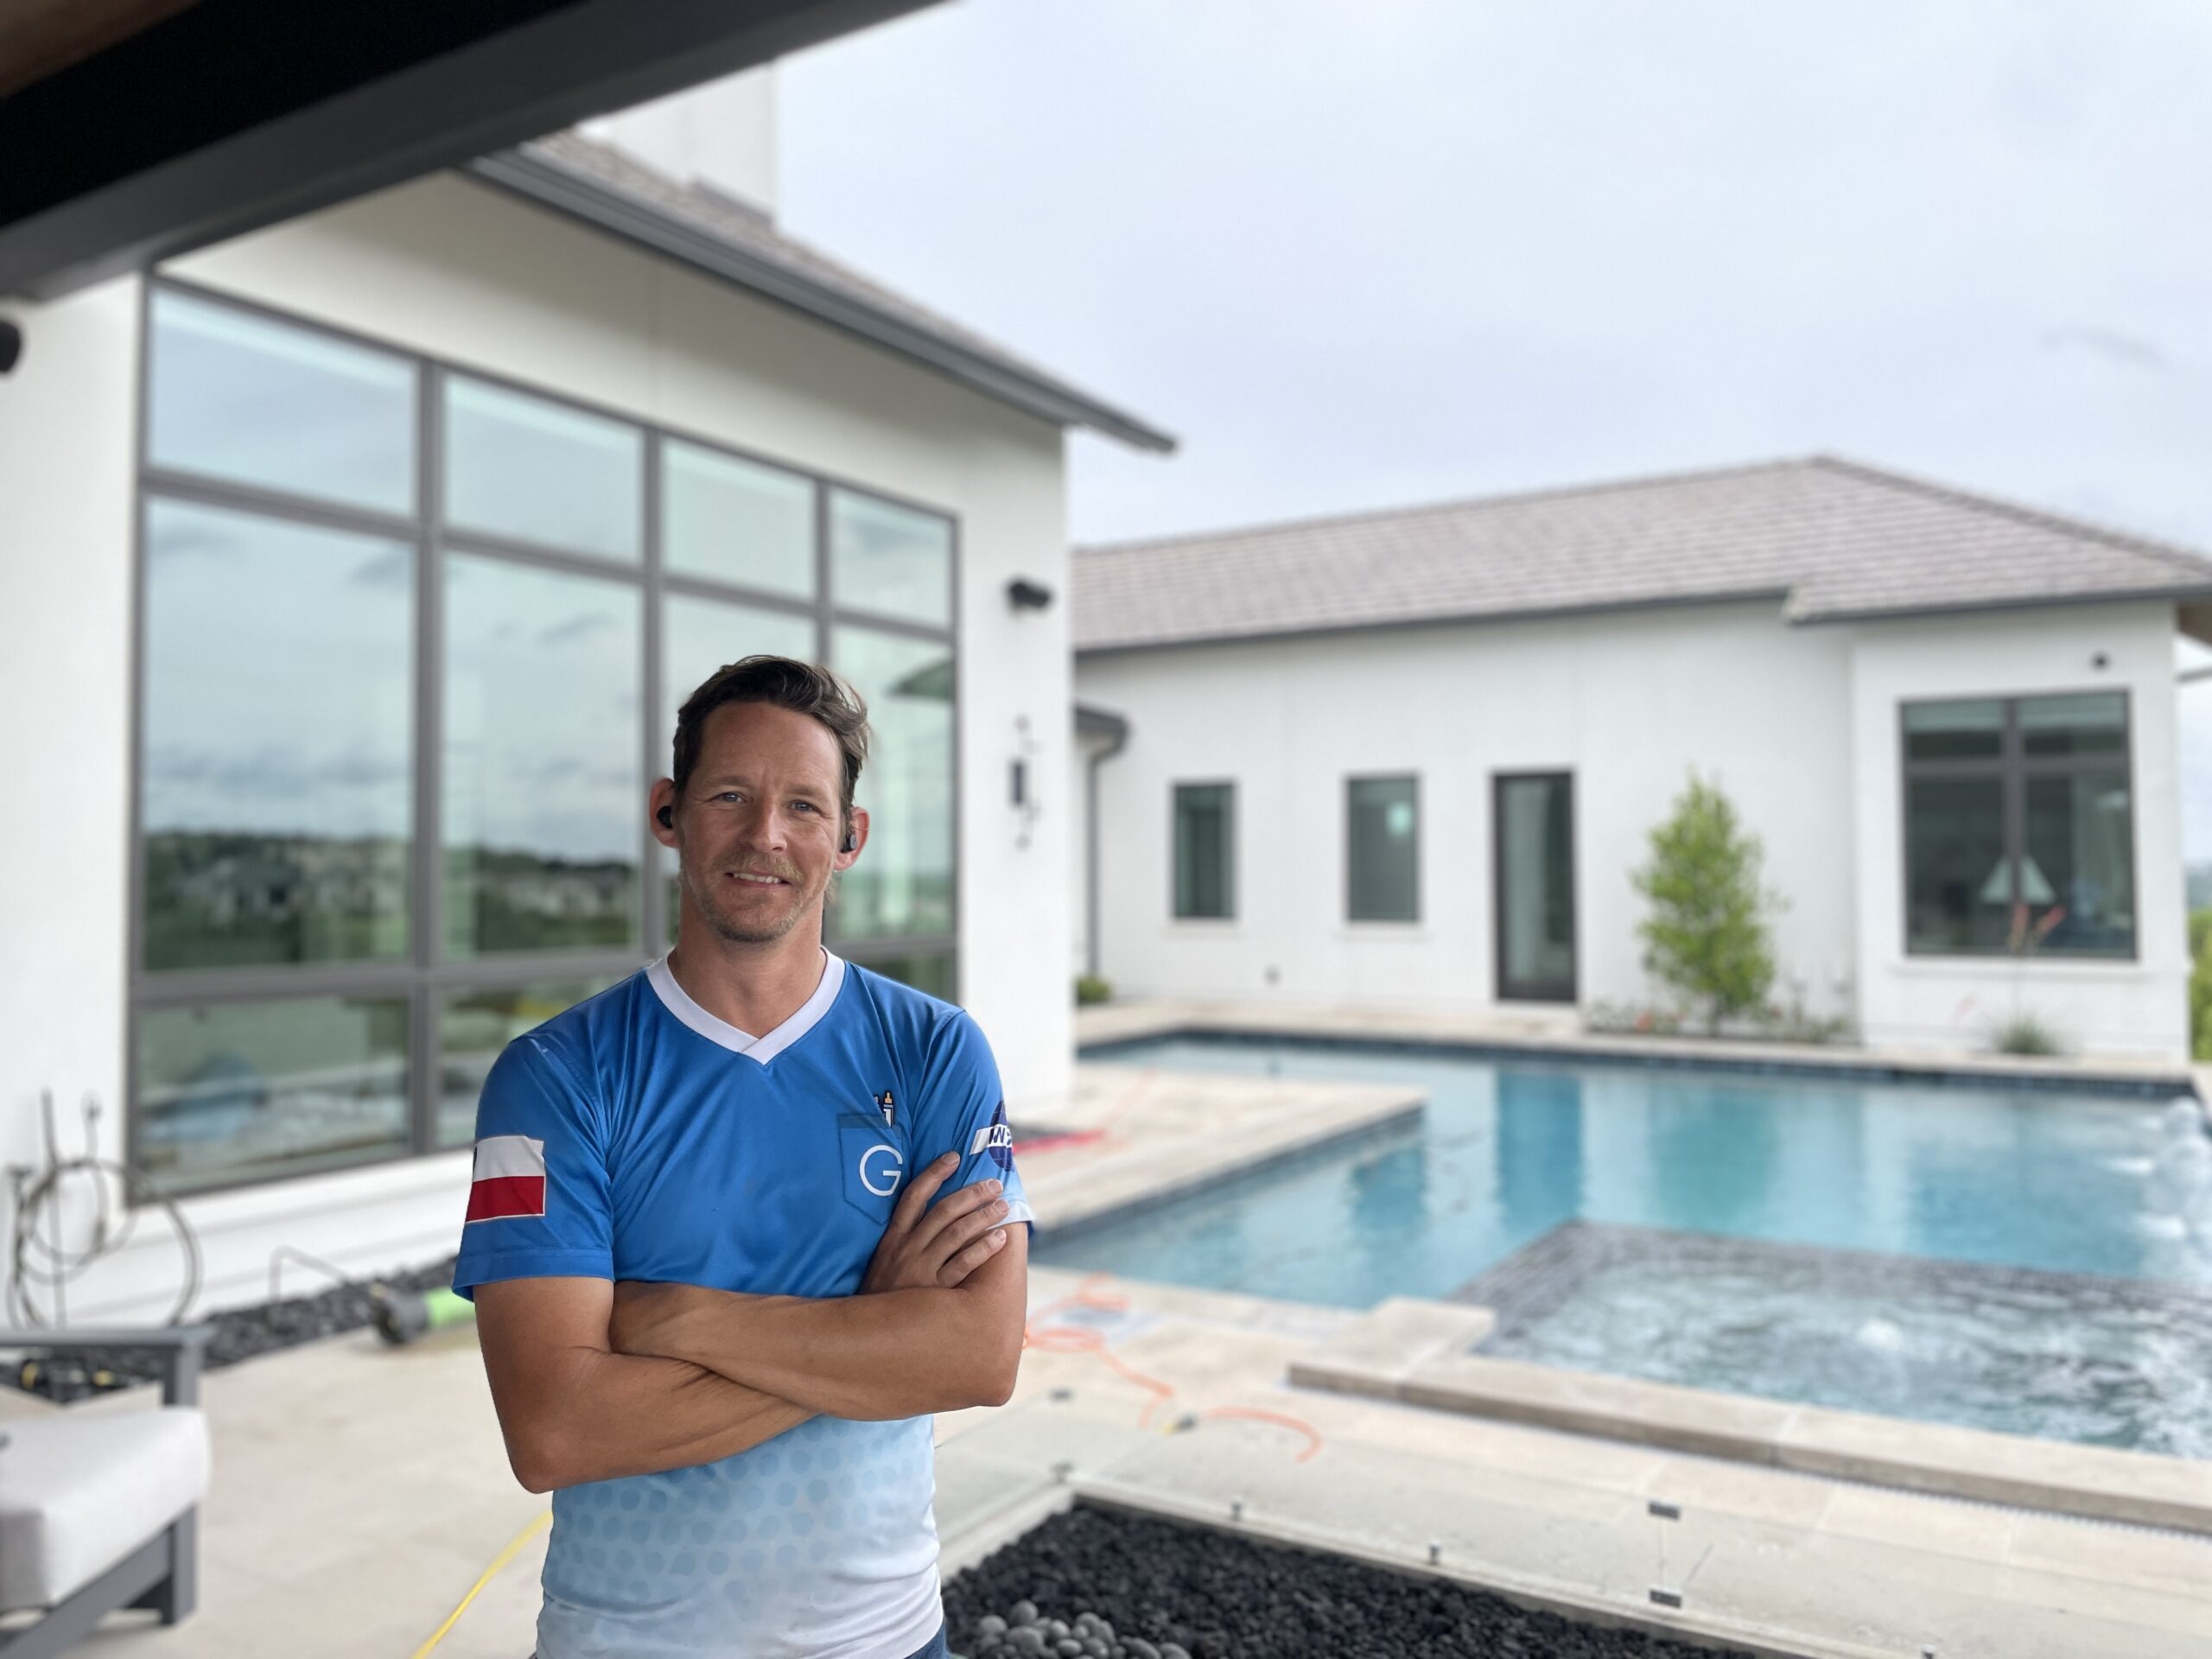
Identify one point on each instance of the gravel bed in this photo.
(240, 1333)
(1097, 1584)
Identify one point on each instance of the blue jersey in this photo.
(637, 1136)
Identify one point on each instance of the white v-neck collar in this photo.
(678, 1001)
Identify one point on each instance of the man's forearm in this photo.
(899, 1353)
(614, 1414)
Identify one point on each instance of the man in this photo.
(716, 1301)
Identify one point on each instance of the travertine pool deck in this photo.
(359, 1491)
(1555, 1034)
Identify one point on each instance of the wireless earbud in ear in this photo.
(851, 841)
(667, 816)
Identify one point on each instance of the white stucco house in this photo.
(352, 571)
(1411, 757)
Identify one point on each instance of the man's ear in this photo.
(854, 838)
(660, 810)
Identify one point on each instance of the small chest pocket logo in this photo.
(871, 1164)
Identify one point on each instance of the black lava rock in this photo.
(1140, 1588)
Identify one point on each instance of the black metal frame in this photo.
(162, 1573)
(422, 977)
(1175, 788)
(1506, 989)
(1344, 907)
(2013, 768)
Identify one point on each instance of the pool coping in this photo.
(1415, 1352)
(1101, 1031)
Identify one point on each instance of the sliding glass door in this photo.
(1533, 841)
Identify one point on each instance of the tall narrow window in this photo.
(1206, 843)
(1382, 838)
(2019, 827)
(1533, 824)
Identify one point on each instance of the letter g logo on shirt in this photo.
(880, 1169)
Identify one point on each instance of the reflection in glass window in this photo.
(475, 1026)
(541, 787)
(2023, 843)
(930, 973)
(235, 395)
(235, 1090)
(541, 472)
(889, 559)
(276, 784)
(701, 635)
(903, 883)
(1385, 856)
(1204, 878)
(736, 521)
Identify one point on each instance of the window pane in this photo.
(277, 786)
(541, 472)
(1204, 850)
(1958, 881)
(889, 559)
(236, 1090)
(931, 973)
(1385, 883)
(240, 396)
(903, 883)
(733, 520)
(2096, 724)
(541, 787)
(1535, 854)
(475, 1027)
(2078, 881)
(1954, 731)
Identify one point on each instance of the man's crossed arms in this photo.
(594, 1380)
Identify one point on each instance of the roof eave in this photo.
(2180, 595)
(551, 186)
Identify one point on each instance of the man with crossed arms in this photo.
(716, 1302)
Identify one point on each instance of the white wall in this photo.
(1629, 701)
(722, 134)
(459, 271)
(67, 427)
(2138, 1007)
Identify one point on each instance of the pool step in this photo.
(1415, 1352)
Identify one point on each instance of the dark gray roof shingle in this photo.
(1828, 540)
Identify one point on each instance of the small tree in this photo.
(1706, 935)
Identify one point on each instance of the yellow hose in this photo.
(514, 1548)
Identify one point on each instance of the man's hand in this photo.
(927, 1248)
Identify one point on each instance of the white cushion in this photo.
(81, 1489)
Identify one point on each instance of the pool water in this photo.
(1508, 1150)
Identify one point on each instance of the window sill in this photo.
(282, 1198)
(1398, 932)
(2111, 968)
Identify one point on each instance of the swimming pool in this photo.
(2061, 1185)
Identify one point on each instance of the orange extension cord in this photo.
(1081, 1339)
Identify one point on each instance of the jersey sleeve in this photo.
(962, 1109)
(538, 1197)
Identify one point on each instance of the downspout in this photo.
(1121, 737)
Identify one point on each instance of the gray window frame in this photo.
(1345, 908)
(1510, 989)
(1175, 789)
(2012, 767)
(422, 979)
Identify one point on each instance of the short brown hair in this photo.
(785, 683)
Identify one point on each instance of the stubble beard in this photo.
(729, 927)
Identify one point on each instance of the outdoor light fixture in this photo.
(1027, 595)
(11, 345)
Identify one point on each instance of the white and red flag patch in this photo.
(510, 1178)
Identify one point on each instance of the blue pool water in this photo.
(1508, 1150)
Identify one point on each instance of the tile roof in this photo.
(732, 240)
(1828, 540)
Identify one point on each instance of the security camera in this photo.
(11, 345)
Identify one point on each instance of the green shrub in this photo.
(2026, 1033)
(1706, 935)
(1089, 988)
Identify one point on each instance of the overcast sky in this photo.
(1404, 249)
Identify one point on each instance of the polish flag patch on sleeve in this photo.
(510, 1179)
